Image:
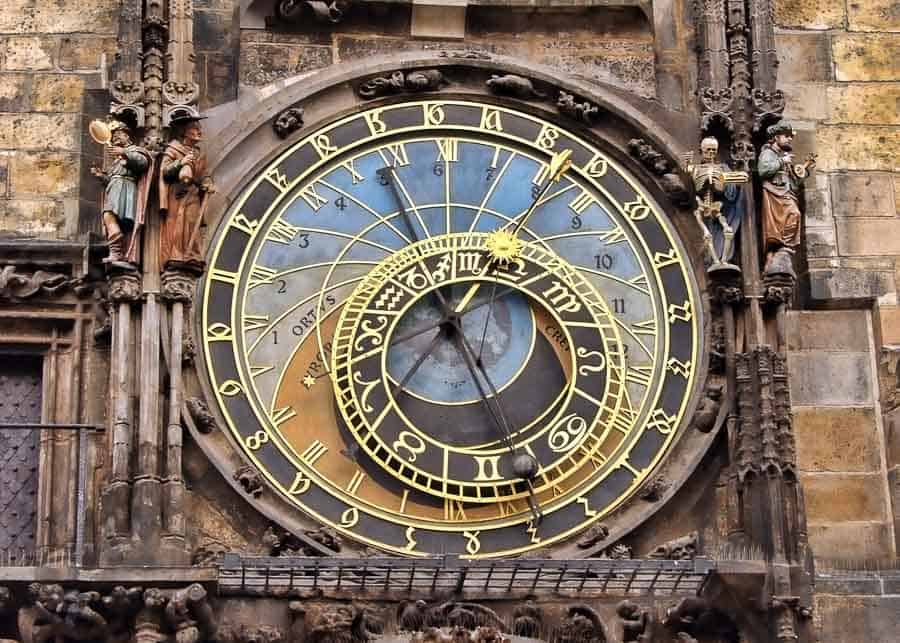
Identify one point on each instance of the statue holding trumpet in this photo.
(719, 207)
(127, 185)
(184, 189)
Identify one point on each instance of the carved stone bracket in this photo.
(595, 534)
(203, 419)
(635, 621)
(584, 111)
(125, 286)
(515, 86)
(683, 548)
(768, 108)
(708, 411)
(50, 613)
(649, 156)
(17, 286)
(288, 121)
(180, 93)
(178, 285)
(295, 10)
(423, 80)
(466, 54)
(654, 490)
(250, 480)
(717, 105)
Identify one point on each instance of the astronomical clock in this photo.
(447, 325)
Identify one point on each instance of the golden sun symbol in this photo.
(503, 246)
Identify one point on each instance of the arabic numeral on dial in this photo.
(304, 240)
(341, 203)
(274, 336)
(282, 286)
(576, 222)
(383, 179)
(604, 261)
(536, 191)
(619, 306)
(257, 440)
(489, 174)
(438, 168)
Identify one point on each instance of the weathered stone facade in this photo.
(151, 490)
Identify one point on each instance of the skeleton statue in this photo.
(719, 205)
(126, 186)
(782, 181)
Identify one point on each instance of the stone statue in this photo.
(127, 184)
(781, 184)
(184, 189)
(719, 205)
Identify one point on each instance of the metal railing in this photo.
(450, 574)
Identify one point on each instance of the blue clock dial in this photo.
(409, 360)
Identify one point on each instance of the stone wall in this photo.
(840, 71)
(614, 46)
(840, 436)
(50, 53)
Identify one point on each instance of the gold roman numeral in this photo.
(312, 197)
(254, 322)
(355, 482)
(639, 375)
(398, 154)
(282, 232)
(282, 415)
(610, 237)
(453, 510)
(313, 452)
(260, 275)
(582, 202)
(448, 149)
(355, 177)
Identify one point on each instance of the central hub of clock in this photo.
(503, 333)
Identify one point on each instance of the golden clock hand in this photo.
(461, 306)
(558, 166)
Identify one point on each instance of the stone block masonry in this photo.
(50, 54)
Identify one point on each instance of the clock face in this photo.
(429, 333)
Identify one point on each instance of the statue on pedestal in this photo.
(184, 189)
(782, 181)
(127, 184)
(719, 205)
